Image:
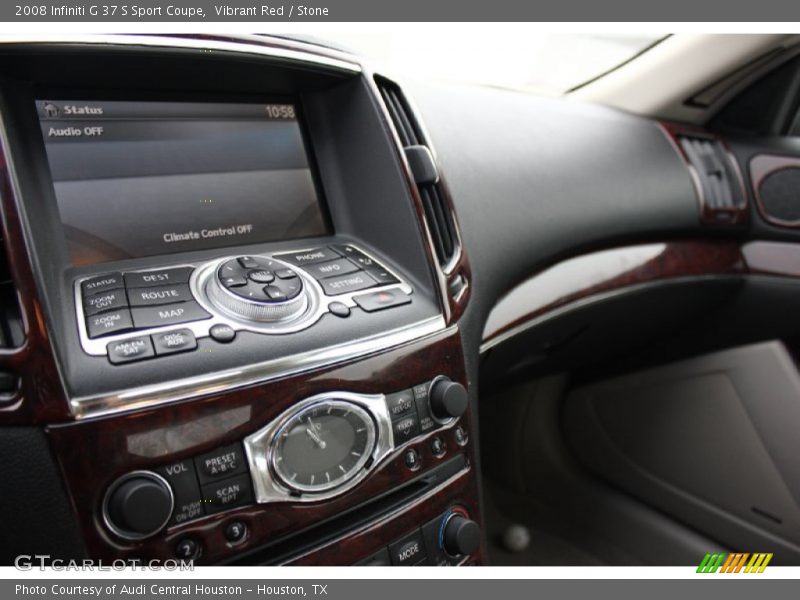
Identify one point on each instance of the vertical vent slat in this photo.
(437, 213)
(717, 179)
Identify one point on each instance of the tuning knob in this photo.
(448, 399)
(461, 536)
(138, 505)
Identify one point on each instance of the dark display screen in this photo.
(145, 178)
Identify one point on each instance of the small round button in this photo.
(339, 309)
(261, 276)
(187, 549)
(461, 436)
(235, 531)
(438, 447)
(412, 459)
(223, 334)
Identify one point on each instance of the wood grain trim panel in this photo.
(611, 270)
(40, 396)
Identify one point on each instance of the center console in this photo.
(240, 278)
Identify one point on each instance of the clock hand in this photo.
(317, 440)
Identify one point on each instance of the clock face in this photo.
(323, 446)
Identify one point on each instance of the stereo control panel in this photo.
(136, 315)
(318, 449)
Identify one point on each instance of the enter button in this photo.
(383, 299)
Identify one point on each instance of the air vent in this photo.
(11, 331)
(722, 194)
(438, 214)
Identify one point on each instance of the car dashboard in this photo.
(252, 283)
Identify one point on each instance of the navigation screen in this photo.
(143, 178)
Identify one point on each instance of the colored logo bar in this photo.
(736, 562)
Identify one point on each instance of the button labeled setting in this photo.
(170, 342)
(169, 314)
(164, 294)
(104, 301)
(347, 283)
(109, 322)
(130, 350)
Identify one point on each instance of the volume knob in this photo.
(138, 505)
(461, 536)
(448, 399)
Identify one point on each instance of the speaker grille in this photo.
(780, 195)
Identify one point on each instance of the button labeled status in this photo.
(103, 283)
(129, 350)
(169, 314)
(164, 294)
(170, 342)
(162, 277)
(347, 283)
(109, 322)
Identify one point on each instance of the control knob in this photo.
(448, 399)
(461, 536)
(138, 505)
(259, 289)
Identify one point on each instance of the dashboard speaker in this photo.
(780, 195)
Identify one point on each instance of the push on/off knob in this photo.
(448, 399)
(138, 505)
(461, 536)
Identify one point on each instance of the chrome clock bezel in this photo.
(274, 456)
(266, 485)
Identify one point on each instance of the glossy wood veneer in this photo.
(598, 273)
(40, 397)
(92, 454)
